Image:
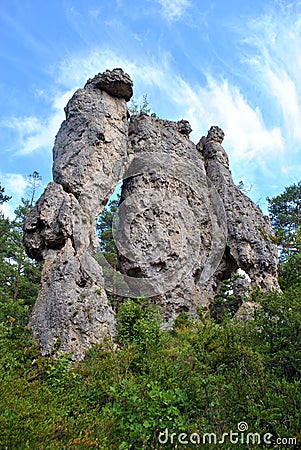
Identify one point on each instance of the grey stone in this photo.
(90, 154)
(171, 221)
(250, 245)
(182, 226)
(116, 83)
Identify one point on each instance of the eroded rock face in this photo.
(173, 224)
(249, 244)
(90, 153)
(90, 149)
(183, 224)
(192, 191)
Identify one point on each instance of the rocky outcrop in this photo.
(90, 153)
(182, 225)
(178, 223)
(249, 244)
(194, 209)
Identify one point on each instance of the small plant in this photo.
(138, 323)
(136, 109)
(225, 302)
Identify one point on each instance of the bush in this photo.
(138, 323)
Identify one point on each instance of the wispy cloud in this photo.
(33, 133)
(7, 211)
(273, 41)
(15, 183)
(220, 103)
(15, 186)
(173, 10)
(216, 102)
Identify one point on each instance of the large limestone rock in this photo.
(178, 221)
(249, 244)
(189, 215)
(90, 152)
(182, 226)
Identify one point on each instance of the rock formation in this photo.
(182, 225)
(249, 244)
(177, 230)
(243, 232)
(90, 152)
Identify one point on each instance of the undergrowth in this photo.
(201, 377)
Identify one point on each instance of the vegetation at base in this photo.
(200, 377)
(204, 376)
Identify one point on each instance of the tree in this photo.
(285, 214)
(135, 109)
(106, 242)
(104, 227)
(3, 198)
(34, 181)
(19, 275)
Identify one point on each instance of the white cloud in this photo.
(33, 133)
(274, 48)
(222, 104)
(7, 211)
(14, 183)
(215, 103)
(284, 88)
(15, 186)
(173, 10)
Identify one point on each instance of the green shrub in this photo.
(138, 323)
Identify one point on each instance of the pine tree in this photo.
(3, 198)
(285, 214)
(104, 231)
(19, 275)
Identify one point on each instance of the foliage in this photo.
(34, 182)
(285, 214)
(136, 109)
(290, 271)
(138, 323)
(19, 275)
(3, 198)
(202, 377)
(226, 303)
(104, 231)
(104, 227)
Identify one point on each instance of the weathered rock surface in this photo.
(166, 227)
(90, 152)
(183, 225)
(90, 149)
(249, 244)
(172, 221)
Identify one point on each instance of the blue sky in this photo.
(235, 64)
